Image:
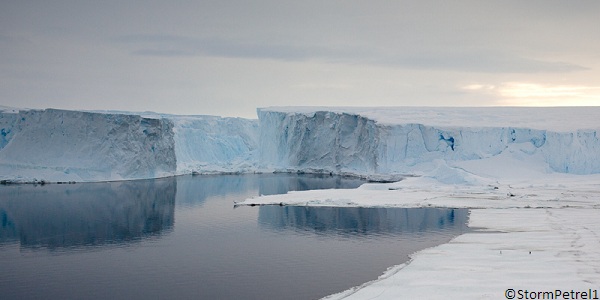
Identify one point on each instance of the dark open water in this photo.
(181, 238)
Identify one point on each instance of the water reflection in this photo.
(91, 214)
(356, 220)
(274, 185)
(213, 251)
(195, 190)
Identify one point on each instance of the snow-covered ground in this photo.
(534, 250)
(530, 175)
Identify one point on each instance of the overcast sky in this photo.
(229, 57)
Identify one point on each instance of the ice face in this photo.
(319, 142)
(355, 140)
(207, 144)
(60, 145)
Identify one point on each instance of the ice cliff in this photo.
(402, 140)
(208, 144)
(54, 145)
(60, 145)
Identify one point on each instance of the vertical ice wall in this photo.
(208, 144)
(575, 152)
(318, 142)
(61, 145)
(325, 141)
(8, 125)
(406, 145)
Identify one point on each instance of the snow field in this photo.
(536, 250)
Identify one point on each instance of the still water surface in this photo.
(181, 238)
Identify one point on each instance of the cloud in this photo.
(173, 45)
(532, 90)
(419, 59)
(484, 62)
(534, 94)
(478, 87)
(322, 86)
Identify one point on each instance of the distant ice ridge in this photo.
(431, 141)
(54, 145)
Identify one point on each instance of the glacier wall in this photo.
(319, 142)
(54, 145)
(61, 145)
(209, 144)
(342, 142)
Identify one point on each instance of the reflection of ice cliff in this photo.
(77, 215)
(273, 185)
(359, 220)
(192, 190)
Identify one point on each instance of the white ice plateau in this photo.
(531, 177)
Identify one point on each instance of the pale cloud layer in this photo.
(229, 57)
